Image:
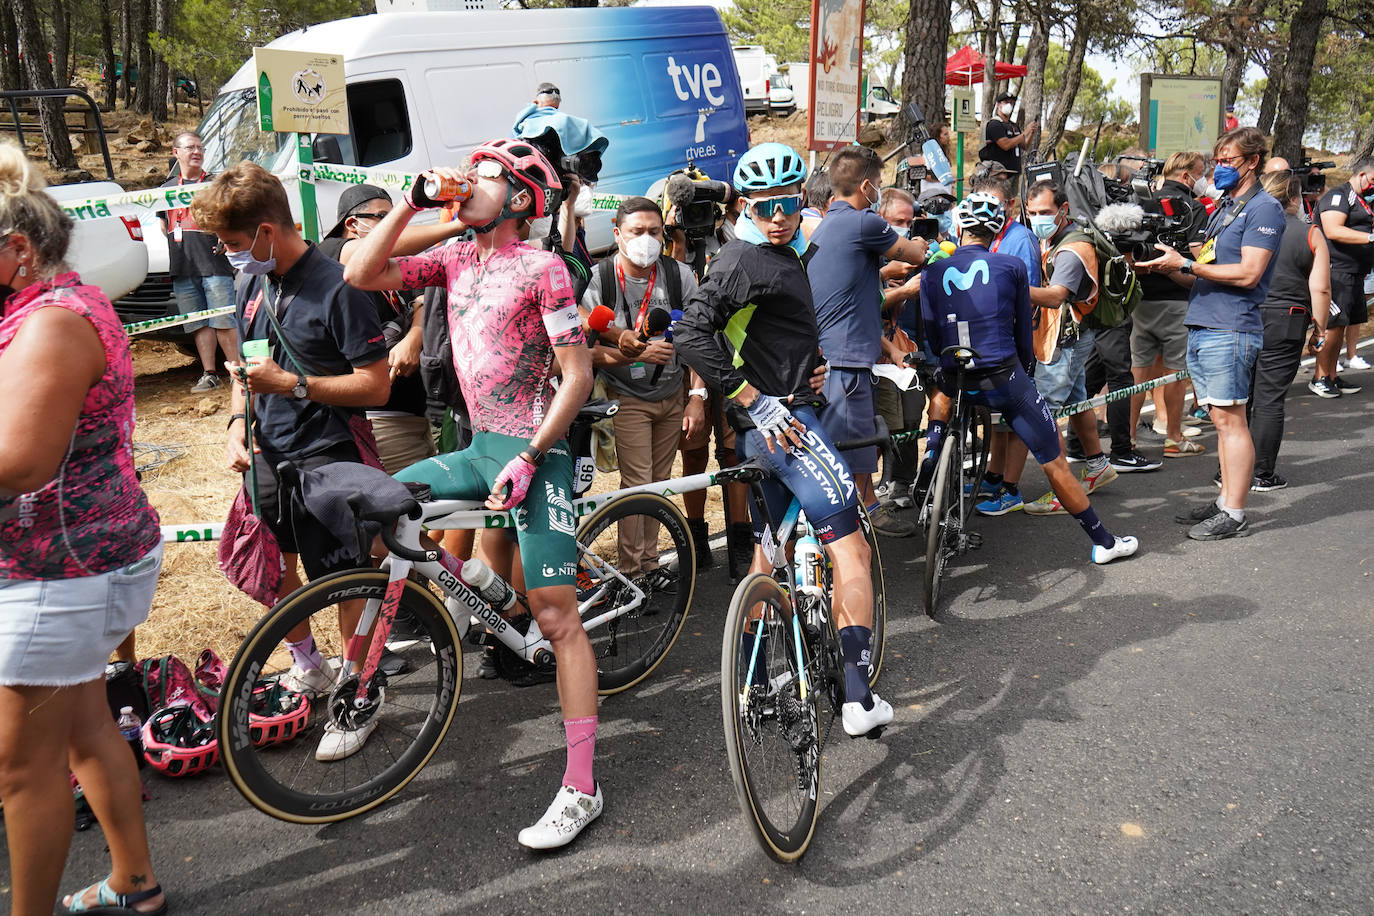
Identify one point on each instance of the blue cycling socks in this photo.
(855, 645)
(1092, 526)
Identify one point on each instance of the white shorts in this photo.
(60, 632)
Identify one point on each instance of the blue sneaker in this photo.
(984, 488)
(1002, 502)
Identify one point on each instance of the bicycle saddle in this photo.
(598, 410)
(961, 354)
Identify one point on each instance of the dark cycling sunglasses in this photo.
(767, 206)
(366, 215)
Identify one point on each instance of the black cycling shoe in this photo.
(701, 538)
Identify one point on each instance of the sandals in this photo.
(107, 901)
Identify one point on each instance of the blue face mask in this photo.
(1225, 177)
(946, 221)
(1044, 227)
(244, 262)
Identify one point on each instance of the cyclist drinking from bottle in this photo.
(757, 295)
(980, 300)
(511, 316)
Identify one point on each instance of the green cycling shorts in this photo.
(545, 524)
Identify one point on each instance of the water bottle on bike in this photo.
(807, 561)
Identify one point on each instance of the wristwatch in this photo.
(698, 393)
(1187, 268)
(301, 391)
(533, 456)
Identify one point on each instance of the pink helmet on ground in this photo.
(528, 168)
(177, 741)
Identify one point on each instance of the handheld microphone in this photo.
(655, 323)
(599, 320)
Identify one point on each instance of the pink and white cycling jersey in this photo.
(505, 316)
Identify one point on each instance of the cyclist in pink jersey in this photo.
(511, 318)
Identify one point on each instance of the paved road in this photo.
(1187, 731)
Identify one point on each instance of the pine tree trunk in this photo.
(39, 68)
(1232, 72)
(107, 53)
(126, 32)
(1073, 75)
(1269, 102)
(1037, 57)
(162, 84)
(61, 34)
(10, 75)
(923, 74)
(1291, 123)
(1364, 143)
(143, 89)
(991, 32)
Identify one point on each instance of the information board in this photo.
(836, 73)
(1179, 113)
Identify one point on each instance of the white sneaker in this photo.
(1124, 547)
(859, 721)
(1355, 362)
(338, 742)
(1188, 431)
(313, 682)
(570, 812)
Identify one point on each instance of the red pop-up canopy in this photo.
(965, 67)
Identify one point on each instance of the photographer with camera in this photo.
(1347, 221)
(1159, 340)
(1004, 143)
(1230, 278)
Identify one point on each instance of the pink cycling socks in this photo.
(581, 736)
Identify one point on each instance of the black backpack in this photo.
(605, 276)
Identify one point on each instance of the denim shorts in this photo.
(1222, 364)
(60, 632)
(1065, 380)
(196, 294)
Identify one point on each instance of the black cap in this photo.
(1006, 97)
(349, 201)
(548, 89)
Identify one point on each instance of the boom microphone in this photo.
(682, 191)
(1120, 219)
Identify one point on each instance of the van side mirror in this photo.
(325, 148)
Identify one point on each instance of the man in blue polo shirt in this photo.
(1229, 279)
(842, 263)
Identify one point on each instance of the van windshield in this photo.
(230, 133)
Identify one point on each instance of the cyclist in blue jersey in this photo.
(980, 299)
(750, 331)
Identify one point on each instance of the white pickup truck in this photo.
(108, 252)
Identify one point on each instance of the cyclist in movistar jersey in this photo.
(511, 316)
(756, 294)
(980, 300)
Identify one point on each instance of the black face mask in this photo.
(6, 290)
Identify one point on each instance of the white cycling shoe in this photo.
(570, 813)
(339, 742)
(1124, 547)
(313, 682)
(859, 721)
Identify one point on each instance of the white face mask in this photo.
(539, 228)
(583, 207)
(642, 250)
(902, 231)
(1005, 109)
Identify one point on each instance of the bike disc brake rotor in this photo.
(346, 710)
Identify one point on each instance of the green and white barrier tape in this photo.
(1069, 410)
(182, 534)
(171, 321)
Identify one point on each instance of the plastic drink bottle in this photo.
(806, 560)
(129, 726)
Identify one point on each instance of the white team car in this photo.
(107, 252)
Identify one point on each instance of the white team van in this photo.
(425, 88)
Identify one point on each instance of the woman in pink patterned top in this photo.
(80, 552)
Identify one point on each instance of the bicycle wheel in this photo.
(879, 600)
(945, 491)
(976, 449)
(630, 646)
(771, 723)
(408, 717)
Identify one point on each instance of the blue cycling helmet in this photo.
(980, 210)
(769, 165)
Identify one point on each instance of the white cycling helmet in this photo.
(980, 210)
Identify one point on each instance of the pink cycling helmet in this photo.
(178, 742)
(527, 167)
(277, 715)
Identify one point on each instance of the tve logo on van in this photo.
(691, 80)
